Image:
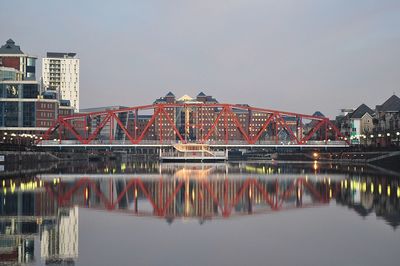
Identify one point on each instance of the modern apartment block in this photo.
(60, 72)
(24, 107)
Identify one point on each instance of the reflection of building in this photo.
(59, 241)
(27, 210)
(16, 241)
(379, 196)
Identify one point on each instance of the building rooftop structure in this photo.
(10, 48)
(101, 109)
(60, 55)
(318, 113)
(361, 110)
(390, 105)
(201, 98)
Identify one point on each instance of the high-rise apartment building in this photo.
(60, 72)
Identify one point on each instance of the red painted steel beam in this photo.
(310, 134)
(267, 122)
(212, 129)
(172, 124)
(72, 130)
(123, 128)
(238, 125)
(98, 129)
(148, 125)
(288, 129)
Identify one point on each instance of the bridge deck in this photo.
(156, 144)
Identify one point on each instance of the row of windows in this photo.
(44, 123)
(46, 105)
(47, 114)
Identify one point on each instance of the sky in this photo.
(291, 55)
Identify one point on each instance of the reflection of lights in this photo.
(135, 192)
(345, 184)
(379, 189)
(364, 187)
(398, 192)
(86, 193)
(388, 190)
(315, 165)
(330, 193)
(250, 192)
(193, 194)
(372, 188)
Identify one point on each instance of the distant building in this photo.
(9, 73)
(361, 122)
(356, 124)
(90, 125)
(60, 72)
(388, 115)
(24, 107)
(11, 56)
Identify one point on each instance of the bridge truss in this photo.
(214, 124)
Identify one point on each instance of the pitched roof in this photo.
(201, 94)
(185, 98)
(361, 110)
(170, 94)
(318, 113)
(390, 105)
(10, 48)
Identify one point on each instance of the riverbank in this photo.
(387, 159)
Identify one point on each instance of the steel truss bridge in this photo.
(218, 125)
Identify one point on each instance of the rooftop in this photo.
(390, 105)
(60, 55)
(10, 48)
(361, 110)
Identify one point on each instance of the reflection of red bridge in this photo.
(214, 124)
(184, 197)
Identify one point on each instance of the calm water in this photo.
(201, 214)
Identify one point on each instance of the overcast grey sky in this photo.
(299, 55)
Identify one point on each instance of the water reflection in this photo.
(26, 213)
(46, 205)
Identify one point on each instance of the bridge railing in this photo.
(171, 143)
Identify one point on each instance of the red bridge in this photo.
(215, 124)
